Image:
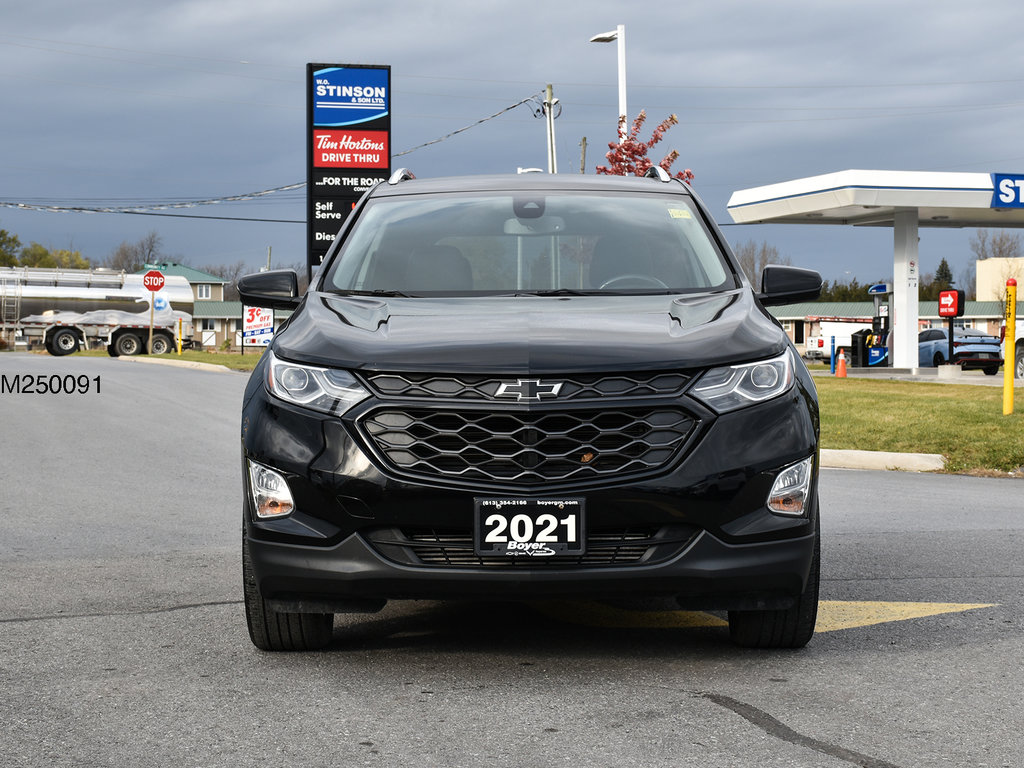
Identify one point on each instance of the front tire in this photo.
(788, 628)
(1018, 368)
(272, 630)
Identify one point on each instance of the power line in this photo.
(471, 125)
(221, 218)
(149, 54)
(157, 208)
(152, 207)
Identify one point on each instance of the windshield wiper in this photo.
(561, 292)
(383, 293)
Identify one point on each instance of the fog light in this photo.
(790, 493)
(270, 493)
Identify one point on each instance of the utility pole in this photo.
(549, 104)
(583, 155)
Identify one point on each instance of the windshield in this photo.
(529, 243)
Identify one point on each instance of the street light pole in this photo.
(619, 35)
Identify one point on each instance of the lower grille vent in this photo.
(454, 549)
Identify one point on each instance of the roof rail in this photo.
(402, 174)
(657, 172)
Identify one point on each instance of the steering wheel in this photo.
(644, 280)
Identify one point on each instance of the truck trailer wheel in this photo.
(161, 345)
(128, 344)
(64, 341)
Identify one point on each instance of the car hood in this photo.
(529, 333)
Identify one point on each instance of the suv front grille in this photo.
(527, 447)
(640, 545)
(573, 386)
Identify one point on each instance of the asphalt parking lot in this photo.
(124, 643)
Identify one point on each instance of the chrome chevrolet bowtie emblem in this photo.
(529, 389)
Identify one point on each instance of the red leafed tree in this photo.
(629, 155)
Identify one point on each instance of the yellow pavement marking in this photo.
(841, 614)
(833, 615)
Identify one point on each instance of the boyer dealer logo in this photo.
(347, 96)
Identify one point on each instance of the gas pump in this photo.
(878, 341)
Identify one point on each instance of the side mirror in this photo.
(788, 285)
(278, 289)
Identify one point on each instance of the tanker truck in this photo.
(64, 310)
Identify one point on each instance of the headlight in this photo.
(329, 390)
(736, 386)
(790, 493)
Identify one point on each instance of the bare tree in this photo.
(231, 273)
(1000, 245)
(968, 279)
(754, 258)
(132, 256)
(1014, 269)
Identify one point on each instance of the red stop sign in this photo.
(154, 280)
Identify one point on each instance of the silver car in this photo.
(972, 349)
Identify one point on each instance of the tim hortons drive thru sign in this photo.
(345, 149)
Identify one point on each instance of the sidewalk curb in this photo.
(907, 462)
(179, 364)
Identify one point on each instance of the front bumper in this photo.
(709, 574)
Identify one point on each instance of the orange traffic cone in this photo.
(841, 366)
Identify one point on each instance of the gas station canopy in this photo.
(903, 200)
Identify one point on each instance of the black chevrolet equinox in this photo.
(530, 386)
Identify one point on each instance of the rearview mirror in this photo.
(542, 225)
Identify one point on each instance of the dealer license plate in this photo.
(514, 527)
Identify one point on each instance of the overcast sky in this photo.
(126, 103)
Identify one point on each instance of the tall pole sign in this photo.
(348, 117)
(951, 304)
(154, 281)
